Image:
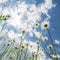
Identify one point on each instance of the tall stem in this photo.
(38, 46)
(32, 57)
(3, 26)
(52, 44)
(25, 53)
(18, 51)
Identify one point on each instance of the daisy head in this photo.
(45, 39)
(36, 25)
(45, 24)
(37, 41)
(49, 46)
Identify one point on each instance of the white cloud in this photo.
(29, 13)
(57, 42)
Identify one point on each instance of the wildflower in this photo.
(26, 24)
(23, 32)
(22, 47)
(45, 24)
(33, 53)
(9, 43)
(41, 52)
(27, 44)
(45, 38)
(56, 57)
(16, 47)
(36, 25)
(31, 46)
(38, 42)
(49, 46)
(8, 16)
(2, 17)
(11, 57)
(13, 40)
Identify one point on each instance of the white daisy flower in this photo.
(36, 25)
(45, 38)
(49, 46)
(55, 56)
(45, 24)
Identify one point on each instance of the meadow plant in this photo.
(22, 30)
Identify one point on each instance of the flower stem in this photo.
(3, 26)
(33, 57)
(18, 51)
(25, 52)
(38, 46)
(52, 44)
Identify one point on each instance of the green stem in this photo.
(37, 50)
(52, 43)
(20, 56)
(56, 58)
(25, 53)
(32, 57)
(10, 50)
(18, 51)
(29, 58)
(3, 26)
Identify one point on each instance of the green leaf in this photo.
(2, 17)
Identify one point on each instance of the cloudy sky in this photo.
(25, 14)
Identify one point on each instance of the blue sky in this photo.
(55, 16)
(55, 22)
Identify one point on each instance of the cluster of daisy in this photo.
(26, 19)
